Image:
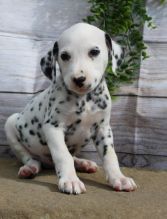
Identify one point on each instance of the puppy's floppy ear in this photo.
(108, 43)
(115, 52)
(48, 62)
(46, 65)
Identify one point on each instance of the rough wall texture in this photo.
(139, 116)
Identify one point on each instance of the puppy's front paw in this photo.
(122, 183)
(71, 185)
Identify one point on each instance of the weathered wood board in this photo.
(159, 14)
(40, 18)
(20, 64)
(153, 72)
(28, 30)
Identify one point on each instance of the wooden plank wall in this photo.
(139, 115)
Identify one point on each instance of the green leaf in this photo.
(123, 20)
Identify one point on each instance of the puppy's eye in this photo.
(65, 56)
(94, 52)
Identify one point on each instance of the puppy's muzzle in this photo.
(79, 82)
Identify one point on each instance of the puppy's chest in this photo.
(81, 114)
(80, 123)
(79, 119)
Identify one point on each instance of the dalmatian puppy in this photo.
(71, 112)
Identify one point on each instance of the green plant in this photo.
(162, 1)
(123, 20)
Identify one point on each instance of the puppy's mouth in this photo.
(81, 90)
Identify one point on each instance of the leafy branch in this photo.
(123, 20)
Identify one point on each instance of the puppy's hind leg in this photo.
(84, 165)
(31, 167)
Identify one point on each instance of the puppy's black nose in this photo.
(79, 81)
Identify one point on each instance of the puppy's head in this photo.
(82, 53)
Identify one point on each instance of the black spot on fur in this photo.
(35, 119)
(119, 62)
(49, 55)
(68, 98)
(108, 42)
(102, 105)
(40, 105)
(21, 134)
(105, 150)
(61, 102)
(95, 126)
(39, 135)
(48, 121)
(69, 126)
(42, 63)
(83, 103)
(57, 110)
(106, 96)
(99, 90)
(78, 121)
(102, 121)
(32, 132)
(123, 53)
(47, 70)
(88, 97)
(79, 112)
(97, 143)
(69, 92)
(55, 49)
(25, 125)
(55, 123)
(87, 140)
(52, 99)
(58, 174)
(39, 126)
(59, 88)
(54, 69)
(102, 138)
(70, 129)
(81, 107)
(94, 137)
(42, 142)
